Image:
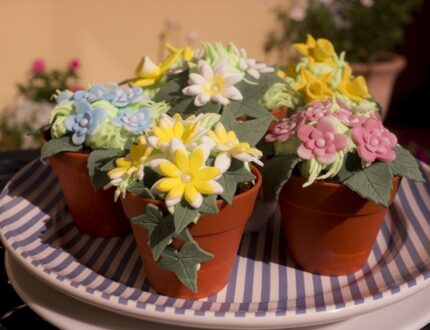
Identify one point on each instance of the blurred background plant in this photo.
(366, 29)
(31, 108)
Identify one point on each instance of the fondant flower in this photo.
(321, 142)
(251, 66)
(348, 118)
(188, 131)
(125, 96)
(374, 141)
(133, 121)
(285, 129)
(228, 146)
(97, 92)
(38, 66)
(314, 88)
(63, 96)
(317, 51)
(186, 176)
(355, 88)
(130, 167)
(85, 122)
(316, 111)
(74, 64)
(216, 85)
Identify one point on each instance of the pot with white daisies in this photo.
(88, 128)
(219, 79)
(188, 192)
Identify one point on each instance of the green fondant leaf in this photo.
(237, 173)
(161, 229)
(184, 215)
(96, 161)
(140, 189)
(209, 205)
(373, 183)
(55, 146)
(184, 106)
(184, 263)
(351, 165)
(173, 88)
(253, 109)
(406, 165)
(276, 172)
(252, 131)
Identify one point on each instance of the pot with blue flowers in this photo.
(87, 128)
(188, 187)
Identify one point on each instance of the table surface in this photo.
(14, 313)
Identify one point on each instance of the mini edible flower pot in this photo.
(94, 211)
(219, 234)
(280, 114)
(330, 229)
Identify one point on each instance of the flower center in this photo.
(133, 119)
(186, 178)
(320, 143)
(84, 122)
(374, 142)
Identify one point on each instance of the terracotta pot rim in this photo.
(329, 184)
(393, 61)
(256, 186)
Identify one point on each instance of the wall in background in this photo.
(109, 37)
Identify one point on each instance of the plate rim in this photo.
(251, 320)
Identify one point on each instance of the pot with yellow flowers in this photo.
(219, 79)
(188, 187)
(87, 128)
(336, 168)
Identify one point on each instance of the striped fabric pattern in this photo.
(35, 223)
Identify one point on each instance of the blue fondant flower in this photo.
(85, 122)
(64, 96)
(133, 121)
(126, 95)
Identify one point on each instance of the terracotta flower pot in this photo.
(94, 211)
(330, 229)
(218, 234)
(280, 114)
(380, 77)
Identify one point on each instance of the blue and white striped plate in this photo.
(265, 289)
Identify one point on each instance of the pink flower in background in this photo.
(285, 129)
(38, 66)
(348, 118)
(74, 88)
(321, 142)
(374, 141)
(74, 64)
(316, 111)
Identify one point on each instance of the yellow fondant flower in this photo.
(188, 131)
(186, 176)
(228, 146)
(148, 73)
(355, 88)
(317, 51)
(130, 167)
(313, 88)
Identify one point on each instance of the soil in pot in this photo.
(94, 211)
(330, 230)
(219, 234)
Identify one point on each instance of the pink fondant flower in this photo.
(348, 118)
(321, 142)
(38, 66)
(285, 129)
(374, 141)
(74, 64)
(316, 111)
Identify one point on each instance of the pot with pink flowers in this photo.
(335, 172)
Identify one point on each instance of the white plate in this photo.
(265, 289)
(68, 313)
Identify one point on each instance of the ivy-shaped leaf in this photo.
(96, 161)
(209, 205)
(55, 146)
(173, 87)
(276, 172)
(184, 215)
(252, 108)
(160, 228)
(252, 131)
(140, 189)
(184, 106)
(373, 183)
(184, 263)
(237, 173)
(351, 165)
(406, 165)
